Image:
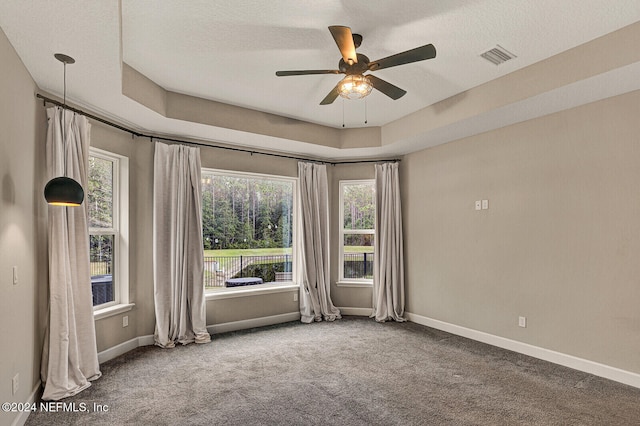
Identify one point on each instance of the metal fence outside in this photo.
(101, 279)
(218, 269)
(358, 265)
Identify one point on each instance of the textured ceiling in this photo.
(228, 52)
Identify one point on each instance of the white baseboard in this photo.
(124, 347)
(591, 367)
(22, 417)
(253, 322)
(363, 312)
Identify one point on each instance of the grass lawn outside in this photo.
(247, 252)
(358, 249)
(274, 251)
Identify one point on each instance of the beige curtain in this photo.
(313, 241)
(388, 268)
(70, 357)
(178, 254)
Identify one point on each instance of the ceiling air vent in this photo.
(498, 55)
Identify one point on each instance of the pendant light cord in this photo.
(64, 85)
(64, 104)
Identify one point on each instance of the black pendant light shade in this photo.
(63, 191)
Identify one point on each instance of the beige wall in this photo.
(22, 229)
(250, 307)
(558, 245)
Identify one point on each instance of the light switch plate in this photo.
(485, 204)
(15, 275)
(478, 205)
(522, 322)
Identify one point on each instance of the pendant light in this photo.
(63, 190)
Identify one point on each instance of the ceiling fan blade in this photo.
(394, 92)
(333, 94)
(344, 40)
(306, 72)
(414, 55)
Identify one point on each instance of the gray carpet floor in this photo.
(350, 372)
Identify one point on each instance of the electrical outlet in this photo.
(295, 297)
(15, 384)
(485, 204)
(522, 322)
(125, 321)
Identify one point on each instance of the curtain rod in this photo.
(228, 148)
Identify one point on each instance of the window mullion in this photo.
(102, 231)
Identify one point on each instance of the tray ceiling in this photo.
(227, 53)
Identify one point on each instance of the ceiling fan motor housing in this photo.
(358, 68)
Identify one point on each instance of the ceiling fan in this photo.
(357, 85)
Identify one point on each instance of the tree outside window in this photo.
(247, 226)
(102, 232)
(357, 232)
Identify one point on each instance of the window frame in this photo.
(120, 231)
(352, 282)
(267, 287)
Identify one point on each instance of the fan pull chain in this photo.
(365, 111)
(342, 112)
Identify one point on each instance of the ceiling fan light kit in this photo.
(356, 85)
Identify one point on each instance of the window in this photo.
(247, 228)
(357, 231)
(107, 202)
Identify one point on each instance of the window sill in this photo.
(253, 290)
(346, 283)
(112, 310)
